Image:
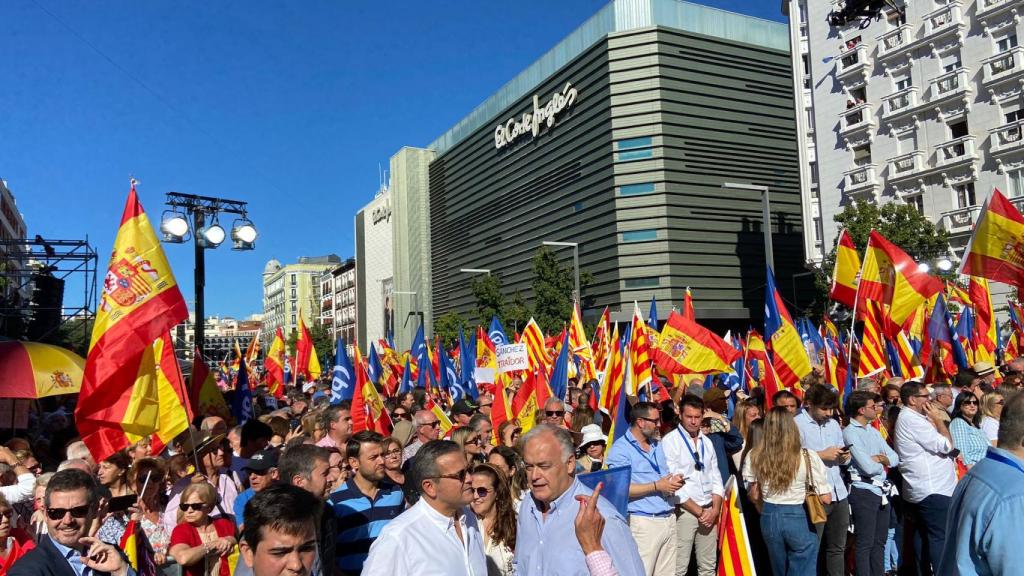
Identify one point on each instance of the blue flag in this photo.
(449, 379)
(652, 316)
(343, 384)
(241, 404)
(560, 373)
(287, 369)
(616, 486)
(497, 332)
(467, 362)
(373, 366)
(419, 345)
(406, 385)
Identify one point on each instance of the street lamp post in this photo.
(575, 262)
(766, 216)
(416, 306)
(475, 271)
(207, 233)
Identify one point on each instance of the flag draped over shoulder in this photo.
(140, 302)
(844, 275)
(996, 248)
(686, 347)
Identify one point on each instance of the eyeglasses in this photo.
(974, 402)
(554, 413)
(651, 420)
(482, 492)
(433, 424)
(461, 475)
(400, 416)
(197, 506)
(482, 406)
(393, 453)
(76, 512)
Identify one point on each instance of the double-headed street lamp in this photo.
(206, 233)
(575, 262)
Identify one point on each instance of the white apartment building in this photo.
(916, 102)
(338, 302)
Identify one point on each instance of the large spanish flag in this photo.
(274, 364)
(890, 276)
(844, 275)
(686, 347)
(789, 357)
(996, 249)
(140, 303)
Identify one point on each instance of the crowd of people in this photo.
(892, 477)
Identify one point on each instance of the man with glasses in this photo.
(554, 412)
(943, 395)
(462, 412)
(926, 453)
(364, 504)
(486, 402)
(70, 503)
(439, 535)
(691, 454)
(651, 488)
(262, 471)
(427, 428)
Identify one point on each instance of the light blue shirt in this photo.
(866, 442)
(547, 546)
(647, 466)
(969, 440)
(818, 437)
(74, 558)
(983, 525)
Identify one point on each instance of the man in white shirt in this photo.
(699, 501)
(439, 535)
(927, 457)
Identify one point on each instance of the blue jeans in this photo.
(791, 540)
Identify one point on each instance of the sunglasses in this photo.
(486, 405)
(76, 512)
(197, 506)
(433, 424)
(400, 416)
(554, 413)
(974, 402)
(482, 492)
(651, 420)
(461, 475)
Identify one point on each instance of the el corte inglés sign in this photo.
(531, 123)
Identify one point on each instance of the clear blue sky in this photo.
(290, 106)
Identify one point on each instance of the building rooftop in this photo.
(619, 16)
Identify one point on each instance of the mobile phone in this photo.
(847, 447)
(121, 503)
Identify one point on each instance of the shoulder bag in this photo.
(815, 509)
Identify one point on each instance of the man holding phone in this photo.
(822, 433)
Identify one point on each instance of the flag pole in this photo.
(856, 299)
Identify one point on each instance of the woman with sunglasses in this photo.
(965, 428)
(991, 412)
(393, 461)
(493, 506)
(200, 544)
(472, 444)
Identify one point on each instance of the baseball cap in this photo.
(464, 407)
(263, 460)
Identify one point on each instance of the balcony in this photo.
(947, 19)
(900, 102)
(893, 41)
(989, 8)
(861, 179)
(950, 85)
(853, 61)
(961, 220)
(906, 165)
(957, 151)
(856, 118)
(1003, 66)
(1017, 202)
(1007, 138)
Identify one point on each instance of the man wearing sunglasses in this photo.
(554, 412)
(427, 428)
(439, 535)
(70, 504)
(262, 470)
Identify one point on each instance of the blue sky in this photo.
(290, 106)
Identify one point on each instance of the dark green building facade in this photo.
(631, 127)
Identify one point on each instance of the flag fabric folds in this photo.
(275, 364)
(140, 302)
(204, 393)
(996, 248)
(736, 558)
(343, 378)
(241, 404)
(844, 275)
(891, 277)
(787, 348)
(306, 362)
(687, 347)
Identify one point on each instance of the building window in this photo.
(902, 82)
(810, 119)
(635, 148)
(636, 189)
(1016, 183)
(293, 318)
(862, 155)
(294, 295)
(917, 201)
(1005, 43)
(951, 62)
(817, 230)
(964, 195)
(896, 18)
(1014, 115)
(639, 235)
(649, 282)
(292, 279)
(907, 142)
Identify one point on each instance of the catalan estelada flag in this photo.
(306, 361)
(844, 275)
(996, 248)
(736, 558)
(891, 277)
(274, 364)
(686, 347)
(140, 303)
(789, 357)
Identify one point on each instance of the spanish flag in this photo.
(274, 364)
(688, 312)
(985, 337)
(174, 405)
(996, 249)
(872, 347)
(368, 412)
(138, 550)
(205, 395)
(844, 275)
(140, 303)
(686, 347)
(531, 397)
(733, 542)
(252, 353)
(891, 277)
(789, 357)
(306, 361)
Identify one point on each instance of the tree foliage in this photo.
(323, 342)
(75, 335)
(552, 291)
(517, 313)
(447, 328)
(490, 301)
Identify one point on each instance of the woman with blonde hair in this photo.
(777, 472)
(991, 412)
(200, 544)
(746, 412)
(471, 443)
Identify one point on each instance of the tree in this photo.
(490, 301)
(323, 342)
(552, 291)
(517, 313)
(291, 341)
(447, 328)
(900, 223)
(75, 335)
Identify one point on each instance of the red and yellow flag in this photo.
(580, 347)
(639, 352)
(175, 409)
(985, 338)
(274, 364)
(688, 312)
(252, 353)
(140, 303)
(615, 369)
(872, 347)
(600, 346)
(686, 347)
(368, 412)
(733, 542)
(891, 277)
(204, 393)
(306, 361)
(996, 249)
(844, 275)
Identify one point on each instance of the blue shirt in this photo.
(359, 520)
(74, 558)
(647, 466)
(818, 437)
(969, 440)
(240, 503)
(547, 546)
(866, 442)
(983, 525)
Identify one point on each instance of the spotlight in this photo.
(243, 234)
(174, 226)
(945, 265)
(923, 267)
(211, 236)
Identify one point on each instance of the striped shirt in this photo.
(359, 521)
